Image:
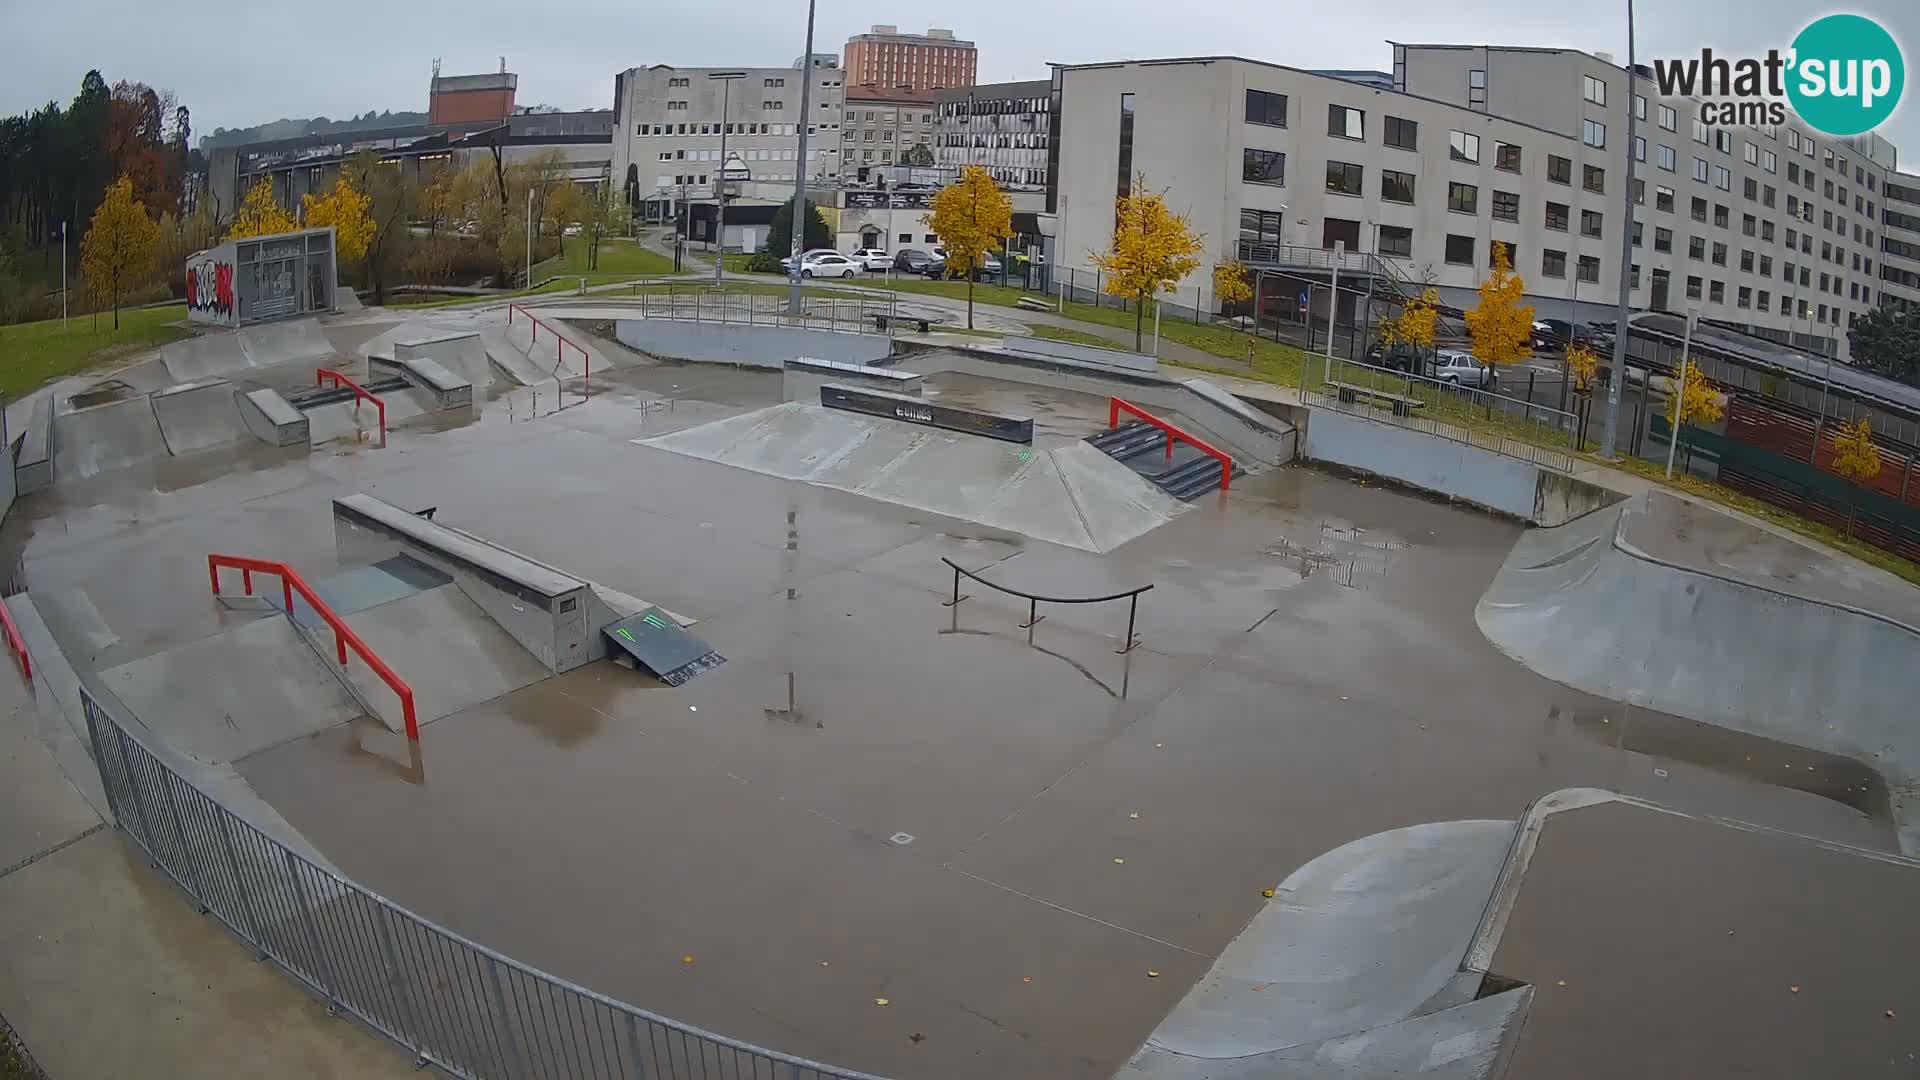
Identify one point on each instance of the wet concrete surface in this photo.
(1670, 948)
(1058, 415)
(1310, 674)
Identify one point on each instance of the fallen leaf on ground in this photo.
(1152, 974)
(881, 1001)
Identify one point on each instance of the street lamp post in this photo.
(726, 79)
(800, 172)
(529, 239)
(1680, 390)
(1621, 329)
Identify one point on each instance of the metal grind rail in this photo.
(561, 341)
(16, 644)
(1116, 406)
(450, 1001)
(343, 635)
(320, 377)
(1034, 600)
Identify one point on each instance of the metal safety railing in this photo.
(561, 341)
(1513, 426)
(360, 393)
(343, 635)
(851, 314)
(16, 644)
(1034, 600)
(452, 1002)
(1116, 406)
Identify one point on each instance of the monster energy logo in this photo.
(623, 634)
(653, 620)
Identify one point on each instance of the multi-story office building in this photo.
(1004, 127)
(1900, 240)
(883, 128)
(668, 123)
(886, 57)
(1776, 230)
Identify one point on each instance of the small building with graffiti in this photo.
(263, 277)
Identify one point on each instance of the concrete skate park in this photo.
(587, 690)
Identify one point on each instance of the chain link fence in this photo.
(452, 1002)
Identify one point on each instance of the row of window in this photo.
(645, 130)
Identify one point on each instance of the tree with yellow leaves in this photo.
(348, 210)
(1153, 248)
(260, 214)
(971, 216)
(1855, 458)
(1416, 324)
(119, 247)
(1693, 398)
(1230, 284)
(1501, 326)
(1582, 364)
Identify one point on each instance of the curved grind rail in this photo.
(320, 377)
(1034, 600)
(343, 635)
(560, 340)
(1116, 406)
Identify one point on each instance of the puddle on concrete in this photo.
(101, 393)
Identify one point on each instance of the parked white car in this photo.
(831, 264)
(806, 257)
(873, 260)
(1463, 369)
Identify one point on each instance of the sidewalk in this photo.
(108, 969)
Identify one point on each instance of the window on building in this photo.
(1697, 248)
(1749, 153)
(1559, 169)
(1589, 268)
(1477, 89)
(1639, 107)
(1404, 134)
(1720, 215)
(1506, 156)
(1261, 226)
(1557, 216)
(1699, 130)
(1694, 287)
(1639, 148)
(1553, 263)
(1747, 224)
(1750, 188)
(1594, 179)
(1265, 108)
(1590, 222)
(1346, 123)
(1343, 178)
(1459, 249)
(1719, 254)
(1744, 298)
(1125, 185)
(1639, 192)
(1462, 146)
(1639, 234)
(1765, 299)
(1701, 170)
(1463, 198)
(1717, 292)
(1665, 157)
(1697, 209)
(1662, 239)
(1746, 261)
(1263, 167)
(1593, 90)
(1506, 206)
(1770, 161)
(1723, 140)
(1396, 240)
(1396, 186)
(1666, 117)
(1512, 250)
(1593, 133)
(1663, 199)
(1767, 195)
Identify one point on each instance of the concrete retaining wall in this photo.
(804, 376)
(1086, 354)
(33, 463)
(752, 346)
(1492, 481)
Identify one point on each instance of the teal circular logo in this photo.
(1846, 74)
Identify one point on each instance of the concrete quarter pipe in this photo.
(1639, 603)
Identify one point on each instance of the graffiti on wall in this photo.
(210, 288)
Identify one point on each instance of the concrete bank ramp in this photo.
(200, 415)
(449, 652)
(508, 356)
(101, 438)
(223, 697)
(1610, 606)
(220, 353)
(1353, 969)
(1072, 495)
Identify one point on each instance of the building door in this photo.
(1336, 229)
(1659, 290)
(870, 237)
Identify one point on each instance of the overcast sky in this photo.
(239, 64)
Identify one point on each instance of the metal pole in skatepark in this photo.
(1620, 328)
(720, 176)
(1680, 391)
(1333, 304)
(800, 170)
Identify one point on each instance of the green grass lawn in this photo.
(1077, 337)
(560, 285)
(619, 258)
(34, 353)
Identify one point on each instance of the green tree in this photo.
(780, 233)
(386, 196)
(1887, 342)
(119, 247)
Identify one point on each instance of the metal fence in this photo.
(765, 309)
(1516, 427)
(454, 1003)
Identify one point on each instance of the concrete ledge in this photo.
(448, 391)
(1085, 354)
(33, 461)
(272, 418)
(969, 421)
(804, 376)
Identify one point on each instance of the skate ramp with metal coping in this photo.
(1071, 494)
(1353, 969)
(1586, 605)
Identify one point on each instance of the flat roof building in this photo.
(886, 57)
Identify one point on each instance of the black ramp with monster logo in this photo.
(652, 641)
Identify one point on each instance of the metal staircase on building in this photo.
(1392, 285)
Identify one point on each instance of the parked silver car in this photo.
(1463, 369)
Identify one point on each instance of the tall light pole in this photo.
(1680, 389)
(529, 239)
(800, 173)
(720, 177)
(63, 274)
(1621, 330)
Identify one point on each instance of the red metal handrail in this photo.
(343, 635)
(561, 341)
(17, 644)
(1116, 406)
(320, 377)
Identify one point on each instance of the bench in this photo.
(880, 321)
(1401, 404)
(1034, 303)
